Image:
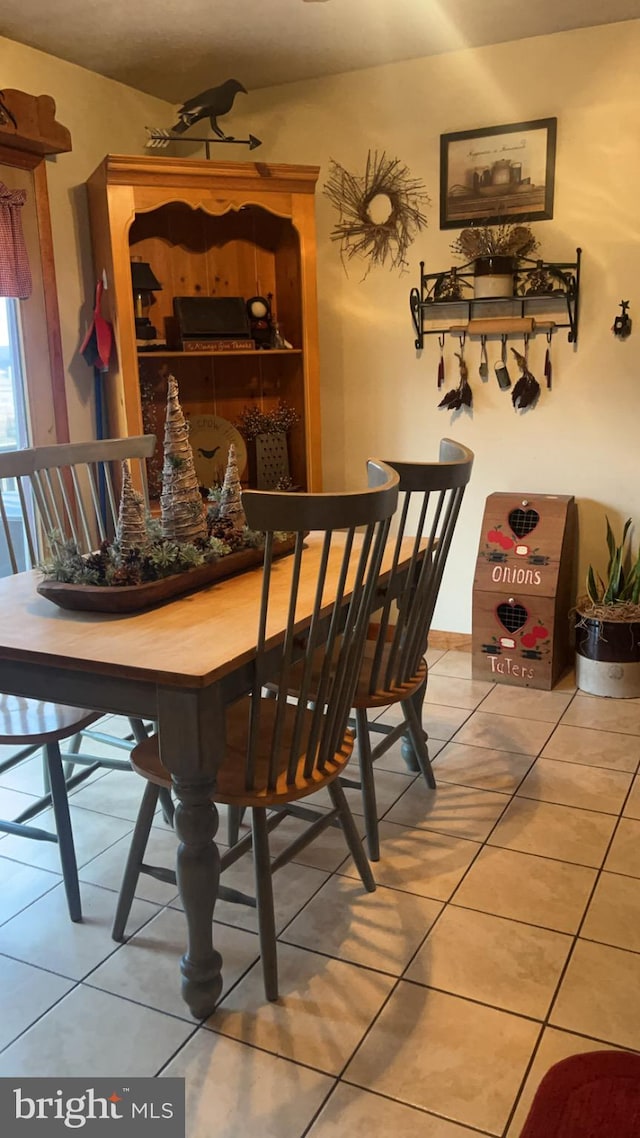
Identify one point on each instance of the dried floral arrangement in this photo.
(187, 534)
(352, 196)
(505, 240)
(253, 422)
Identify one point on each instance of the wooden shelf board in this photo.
(223, 355)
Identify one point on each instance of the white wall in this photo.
(379, 397)
(104, 117)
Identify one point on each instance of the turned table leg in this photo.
(198, 873)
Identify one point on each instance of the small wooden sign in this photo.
(218, 345)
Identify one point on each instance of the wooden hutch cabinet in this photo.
(213, 230)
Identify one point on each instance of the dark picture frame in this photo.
(498, 173)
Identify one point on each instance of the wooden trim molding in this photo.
(450, 640)
(28, 132)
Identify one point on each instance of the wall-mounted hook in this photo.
(622, 323)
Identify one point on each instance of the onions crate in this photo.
(523, 589)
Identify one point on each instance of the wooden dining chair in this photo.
(394, 669)
(69, 489)
(277, 750)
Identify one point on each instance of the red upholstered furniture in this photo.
(596, 1095)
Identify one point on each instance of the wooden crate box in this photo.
(523, 589)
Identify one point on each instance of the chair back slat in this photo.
(300, 736)
(67, 490)
(431, 496)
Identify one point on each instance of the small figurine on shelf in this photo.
(277, 339)
(259, 313)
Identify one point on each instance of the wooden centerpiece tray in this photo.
(134, 598)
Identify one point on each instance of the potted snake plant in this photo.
(608, 624)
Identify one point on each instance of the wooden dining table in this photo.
(179, 665)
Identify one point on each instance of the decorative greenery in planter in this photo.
(189, 538)
(608, 624)
(266, 436)
(495, 251)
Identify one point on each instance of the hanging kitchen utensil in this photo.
(483, 370)
(461, 395)
(527, 389)
(502, 374)
(547, 360)
(441, 340)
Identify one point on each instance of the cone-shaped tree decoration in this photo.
(230, 502)
(182, 508)
(131, 530)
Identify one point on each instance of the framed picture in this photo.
(497, 173)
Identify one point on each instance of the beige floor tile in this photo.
(593, 748)
(43, 934)
(613, 916)
(107, 868)
(600, 994)
(527, 703)
(20, 885)
(442, 722)
(481, 767)
(433, 655)
(147, 968)
(352, 1112)
(324, 1008)
(552, 894)
(92, 833)
(392, 759)
(496, 961)
(389, 786)
(13, 802)
(632, 805)
(445, 1054)
(604, 714)
(235, 1091)
(453, 663)
(27, 775)
(26, 993)
(624, 855)
(379, 930)
(572, 784)
(326, 852)
(293, 885)
(461, 811)
(119, 794)
(505, 733)
(562, 832)
(90, 1031)
(419, 861)
(452, 692)
(554, 1046)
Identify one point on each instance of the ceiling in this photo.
(175, 48)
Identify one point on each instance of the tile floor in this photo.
(503, 936)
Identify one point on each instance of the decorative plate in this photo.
(210, 437)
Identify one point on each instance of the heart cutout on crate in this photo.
(512, 616)
(522, 521)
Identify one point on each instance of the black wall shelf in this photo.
(555, 308)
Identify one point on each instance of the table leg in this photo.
(198, 873)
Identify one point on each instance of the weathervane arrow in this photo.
(159, 139)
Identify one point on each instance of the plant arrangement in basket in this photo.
(506, 240)
(188, 534)
(253, 421)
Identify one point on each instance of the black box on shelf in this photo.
(211, 318)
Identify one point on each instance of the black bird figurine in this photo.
(211, 104)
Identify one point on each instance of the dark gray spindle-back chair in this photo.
(69, 488)
(279, 750)
(394, 669)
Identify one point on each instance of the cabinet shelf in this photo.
(162, 354)
(434, 315)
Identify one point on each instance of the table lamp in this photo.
(144, 285)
